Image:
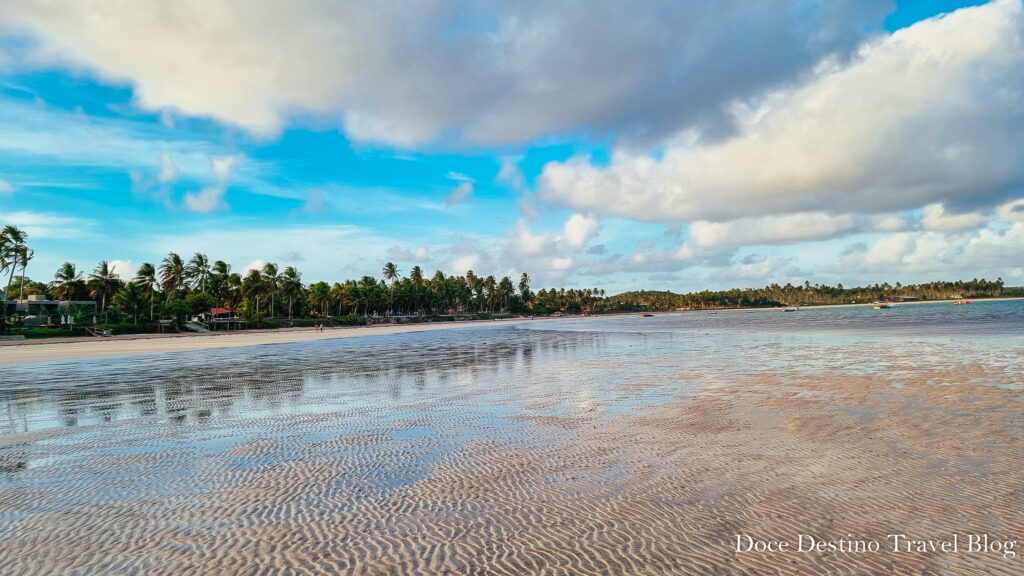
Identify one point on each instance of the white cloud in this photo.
(49, 224)
(211, 197)
(1013, 210)
(769, 230)
(168, 171)
(5, 187)
(934, 217)
(123, 269)
(938, 253)
(419, 254)
(579, 229)
(254, 265)
(510, 174)
(459, 176)
(459, 195)
(929, 114)
(497, 73)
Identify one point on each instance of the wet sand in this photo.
(563, 482)
(32, 351)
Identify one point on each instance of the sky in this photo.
(667, 145)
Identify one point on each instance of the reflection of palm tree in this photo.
(146, 276)
(391, 272)
(103, 282)
(172, 271)
(67, 282)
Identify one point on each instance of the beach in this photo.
(33, 351)
(840, 442)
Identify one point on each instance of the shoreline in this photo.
(21, 352)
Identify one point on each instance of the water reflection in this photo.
(259, 381)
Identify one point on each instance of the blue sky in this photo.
(683, 146)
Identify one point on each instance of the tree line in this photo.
(178, 288)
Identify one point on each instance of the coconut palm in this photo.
(270, 281)
(12, 246)
(132, 296)
(172, 274)
(146, 278)
(25, 254)
(103, 282)
(198, 271)
(416, 279)
(67, 282)
(391, 272)
(254, 286)
(290, 286)
(218, 281)
(524, 288)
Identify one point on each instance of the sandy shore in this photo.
(34, 351)
(577, 478)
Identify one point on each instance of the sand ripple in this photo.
(514, 467)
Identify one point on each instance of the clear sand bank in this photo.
(33, 351)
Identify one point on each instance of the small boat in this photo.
(647, 315)
(882, 304)
(791, 309)
(962, 301)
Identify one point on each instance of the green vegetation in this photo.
(178, 291)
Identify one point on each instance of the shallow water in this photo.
(640, 444)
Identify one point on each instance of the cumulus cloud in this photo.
(459, 195)
(984, 251)
(405, 254)
(579, 229)
(123, 269)
(211, 197)
(929, 114)
(405, 74)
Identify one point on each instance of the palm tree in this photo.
(131, 297)
(291, 286)
(172, 272)
(416, 278)
(253, 286)
(25, 254)
(524, 288)
(219, 286)
(103, 282)
(146, 277)
(67, 283)
(198, 270)
(391, 272)
(12, 246)
(270, 280)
